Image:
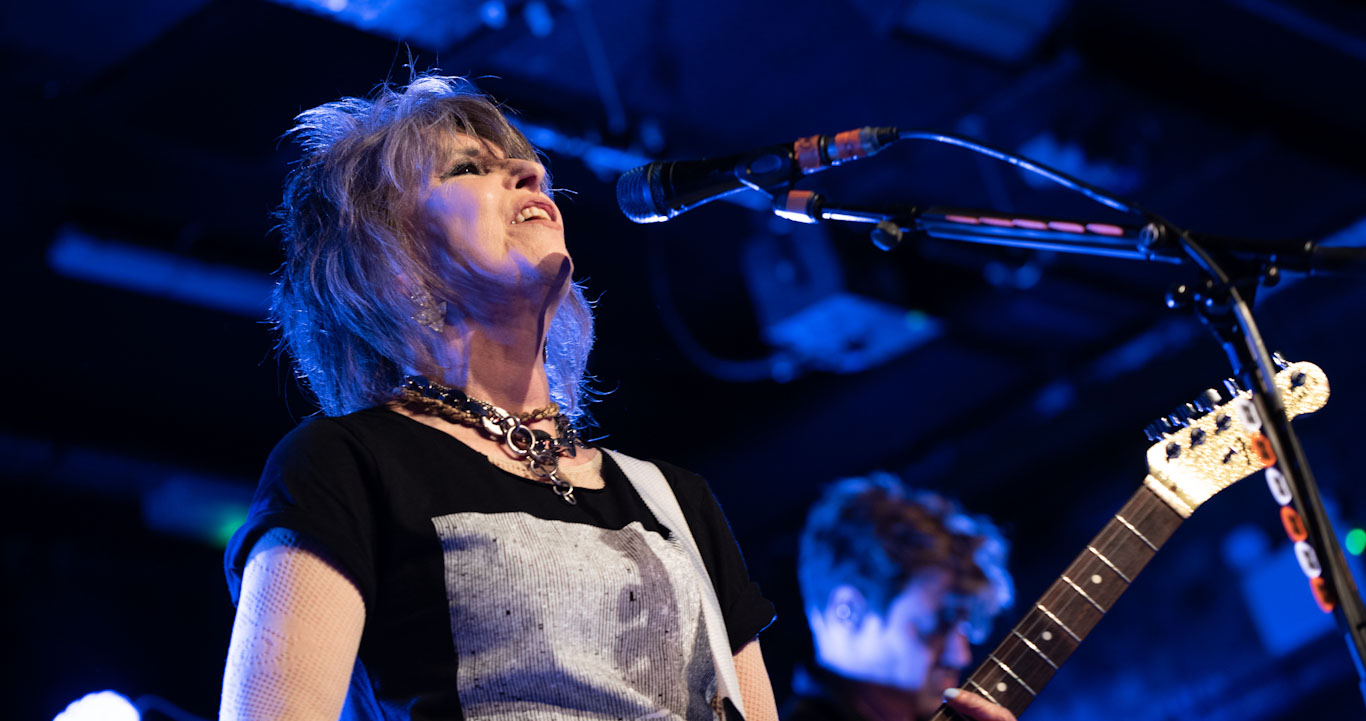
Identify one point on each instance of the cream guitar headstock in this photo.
(1225, 444)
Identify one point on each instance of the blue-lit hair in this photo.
(355, 252)
(874, 534)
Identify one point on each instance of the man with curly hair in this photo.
(896, 584)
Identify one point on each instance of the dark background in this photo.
(142, 144)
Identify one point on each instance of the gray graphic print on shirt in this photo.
(556, 620)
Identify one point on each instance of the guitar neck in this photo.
(1017, 670)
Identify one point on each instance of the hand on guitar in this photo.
(972, 706)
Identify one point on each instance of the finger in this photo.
(976, 707)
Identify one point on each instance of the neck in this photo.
(498, 357)
(508, 372)
(872, 701)
(876, 702)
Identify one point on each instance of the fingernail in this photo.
(950, 694)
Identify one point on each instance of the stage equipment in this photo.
(1215, 445)
(1232, 270)
(659, 191)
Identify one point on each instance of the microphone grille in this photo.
(637, 190)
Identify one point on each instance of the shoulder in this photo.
(692, 491)
(694, 495)
(355, 425)
(325, 436)
(682, 481)
(677, 473)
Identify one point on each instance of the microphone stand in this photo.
(1232, 269)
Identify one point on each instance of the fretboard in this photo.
(1051, 629)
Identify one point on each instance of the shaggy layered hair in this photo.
(875, 535)
(356, 253)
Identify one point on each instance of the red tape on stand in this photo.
(1322, 596)
(1263, 448)
(1294, 525)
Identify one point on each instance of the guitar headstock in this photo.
(1225, 444)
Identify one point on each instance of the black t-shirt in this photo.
(458, 563)
(819, 695)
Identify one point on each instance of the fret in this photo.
(1006, 667)
(1152, 516)
(1035, 649)
(1121, 547)
(1022, 665)
(1053, 640)
(1082, 592)
(1107, 562)
(1136, 532)
(1059, 623)
(1003, 687)
(983, 692)
(1079, 614)
(1096, 581)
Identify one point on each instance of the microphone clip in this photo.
(768, 170)
(890, 224)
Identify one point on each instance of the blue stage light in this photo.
(122, 265)
(538, 19)
(205, 509)
(494, 13)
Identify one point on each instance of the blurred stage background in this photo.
(141, 144)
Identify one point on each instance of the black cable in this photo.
(1056, 176)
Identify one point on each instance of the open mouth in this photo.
(533, 212)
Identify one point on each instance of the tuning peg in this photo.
(1158, 429)
(1207, 401)
(1183, 414)
(1279, 360)
(1233, 387)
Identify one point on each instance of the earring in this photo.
(429, 313)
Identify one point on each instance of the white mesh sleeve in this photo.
(755, 687)
(295, 637)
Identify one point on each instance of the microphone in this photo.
(659, 191)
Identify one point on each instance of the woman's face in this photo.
(490, 211)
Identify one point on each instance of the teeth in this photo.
(530, 212)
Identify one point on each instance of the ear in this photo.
(835, 626)
(846, 606)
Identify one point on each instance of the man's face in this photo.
(919, 645)
(925, 638)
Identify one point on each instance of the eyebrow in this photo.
(481, 152)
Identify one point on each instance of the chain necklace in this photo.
(539, 450)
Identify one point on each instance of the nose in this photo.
(957, 651)
(526, 173)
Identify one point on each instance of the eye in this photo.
(464, 167)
